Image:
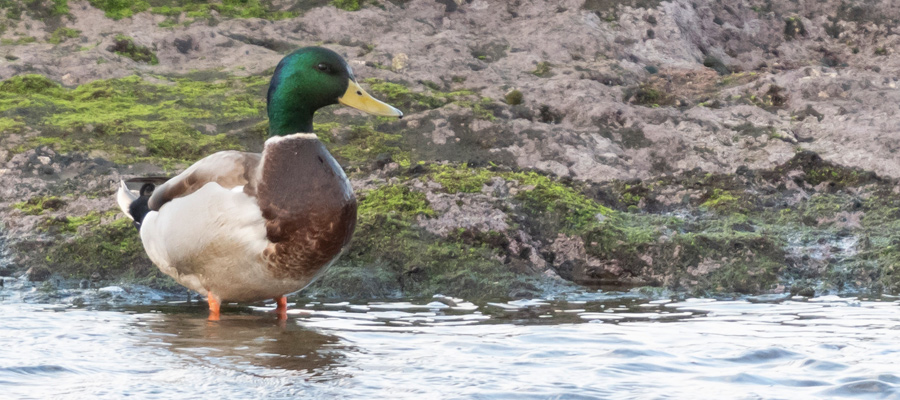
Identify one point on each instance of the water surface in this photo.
(595, 346)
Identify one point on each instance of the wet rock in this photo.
(463, 212)
(572, 263)
(446, 300)
(184, 45)
(382, 160)
(38, 274)
(112, 290)
(803, 291)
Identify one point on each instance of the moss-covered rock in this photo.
(118, 9)
(514, 97)
(543, 69)
(390, 256)
(362, 144)
(707, 234)
(20, 41)
(62, 34)
(402, 96)
(648, 94)
(113, 251)
(748, 232)
(794, 28)
(38, 204)
(130, 119)
(187, 12)
(347, 5)
(125, 46)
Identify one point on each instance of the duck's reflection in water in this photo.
(257, 344)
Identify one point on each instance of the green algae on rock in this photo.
(454, 168)
(514, 97)
(187, 12)
(125, 46)
(430, 99)
(62, 34)
(543, 69)
(390, 256)
(118, 9)
(131, 119)
(722, 234)
(347, 5)
(362, 144)
(111, 251)
(38, 204)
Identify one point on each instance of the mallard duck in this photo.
(243, 227)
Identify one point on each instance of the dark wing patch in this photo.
(227, 168)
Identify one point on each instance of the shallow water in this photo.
(596, 346)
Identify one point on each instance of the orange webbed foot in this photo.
(281, 309)
(214, 305)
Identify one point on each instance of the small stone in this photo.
(184, 45)
(399, 62)
(84, 284)
(381, 160)
(804, 291)
(514, 97)
(38, 274)
(111, 290)
(446, 300)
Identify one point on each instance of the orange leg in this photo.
(213, 306)
(281, 309)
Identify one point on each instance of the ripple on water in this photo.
(764, 356)
(870, 388)
(754, 379)
(820, 365)
(34, 370)
(636, 353)
(646, 367)
(600, 347)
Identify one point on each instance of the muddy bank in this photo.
(735, 147)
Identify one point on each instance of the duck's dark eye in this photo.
(324, 68)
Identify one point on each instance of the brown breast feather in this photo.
(308, 204)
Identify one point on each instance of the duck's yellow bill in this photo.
(357, 98)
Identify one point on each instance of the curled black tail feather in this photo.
(139, 207)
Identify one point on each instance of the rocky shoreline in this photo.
(740, 147)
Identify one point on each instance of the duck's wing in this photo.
(229, 169)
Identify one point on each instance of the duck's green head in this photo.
(309, 79)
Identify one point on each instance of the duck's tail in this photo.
(134, 205)
(125, 197)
